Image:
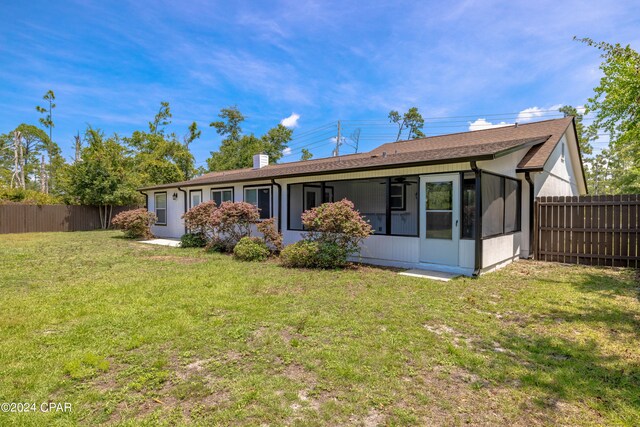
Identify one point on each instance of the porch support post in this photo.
(478, 217)
(532, 198)
(323, 197)
(388, 206)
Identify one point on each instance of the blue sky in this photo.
(111, 63)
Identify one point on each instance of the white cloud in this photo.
(286, 151)
(528, 114)
(531, 113)
(291, 121)
(481, 124)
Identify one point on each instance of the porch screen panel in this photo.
(511, 204)
(369, 197)
(404, 205)
(468, 207)
(295, 207)
(492, 205)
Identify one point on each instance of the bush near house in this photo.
(270, 234)
(251, 249)
(198, 218)
(335, 232)
(310, 254)
(193, 240)
(232, 221)
(135, 223)
(220, 228)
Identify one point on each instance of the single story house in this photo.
(459, 203)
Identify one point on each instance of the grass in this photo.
(132, 334)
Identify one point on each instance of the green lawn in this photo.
(134, 334)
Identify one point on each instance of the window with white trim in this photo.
(222, 195)
(196, 198)
(259, 197)
(160, 205)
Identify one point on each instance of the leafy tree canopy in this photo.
(103, 177)
(616, 104)
(411, 120)
(159, 157)
(237, 149)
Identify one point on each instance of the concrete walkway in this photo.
(175, 243)
(429, 274)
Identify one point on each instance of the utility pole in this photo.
(336, 151)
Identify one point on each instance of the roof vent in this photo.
(384, 154)
(516, 124)
(260, 161)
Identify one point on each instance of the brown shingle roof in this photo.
(542, 137)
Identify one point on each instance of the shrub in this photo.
(251, 249)
(337, 223)
(193, 240)
(198, 218)
(312, 254)
(270, 234)
(232, 221)
(299, 255)
(330, 255)
(27, 197)
(135, 223)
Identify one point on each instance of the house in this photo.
(460, 203)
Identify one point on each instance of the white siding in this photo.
(175, 209)
(559, 177)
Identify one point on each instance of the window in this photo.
(222, 195)
(396, 198)
(468, 230)
(439, 210)
(259, 197)
(500, 205)
(161, 208)
(196, 197)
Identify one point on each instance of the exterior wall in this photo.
(500, 250)
(559, 177)
(175, 208)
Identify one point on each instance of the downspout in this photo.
(532, 198)
(478, 215)
(146, 199)
(185, 206)
(273, 181)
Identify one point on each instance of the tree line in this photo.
(107, 169)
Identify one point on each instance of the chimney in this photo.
(260, 161)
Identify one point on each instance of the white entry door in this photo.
(439, 218)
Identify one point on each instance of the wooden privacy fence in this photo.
(16, 218)
(594, 230)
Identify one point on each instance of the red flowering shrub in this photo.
(270, 234)
(337, 223)
(198, 218)
(135, 223)
(231, 222)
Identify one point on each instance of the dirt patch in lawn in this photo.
(177, 259)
